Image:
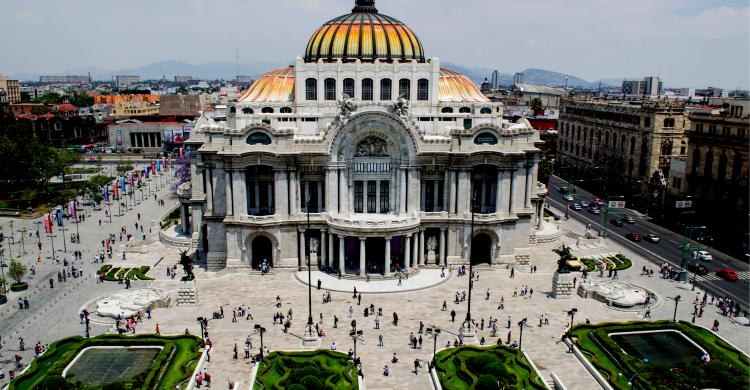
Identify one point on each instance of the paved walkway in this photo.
(423, 279)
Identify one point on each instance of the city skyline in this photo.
(678, 40)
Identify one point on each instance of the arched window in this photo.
(404, 88)
(721, 172)
(696, 162)
(632, 146)
(485, 138)
(386, 89)
(311, 89)
(464, 110)
(247, 110)
(485, 111)
(258, 137)
(330, 89)
(349, 87)
(366, 89)
(668, 122)
(285, 110)
(423, 89)
(232, 110)
(447, 110)
(267, 110)
(623, 140)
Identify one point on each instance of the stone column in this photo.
(499, 193)
(464, 191)
(362, 265)
(332, 191)
(342, 263)
(506, 198)
(320, 196)
(414, 191)
(210, 191)
(415, 251)
(514, 194)
(421, 247)
(239, 200)
(529, 183)
(323, 257)
(407, 253)
(402, 191)
(301, 248)
(293, 203)
(343, 192)
(183, 218)
(387, 270)
(443, 258)
(280, 192)
(447, 190)
(229, 193)
(331, 256)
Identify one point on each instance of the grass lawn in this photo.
(172, 366)
(465, 367)
(321, 369)
(727, 369)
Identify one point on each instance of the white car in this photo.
(702, 256)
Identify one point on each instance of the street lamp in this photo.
(309, 329)
(355, 335)
(521, 324)
(260, 330)
(200, 322)
(434, 332)
(467, 321)
(676, 302)
(572, 313)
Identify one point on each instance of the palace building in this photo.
(382, 150)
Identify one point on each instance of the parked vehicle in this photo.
(595, 210)
(617, 222)
(651, 236)
(584, 203)
(728, 274)
(697, 268)
(576, 207)
(628, 219)
(568, 197)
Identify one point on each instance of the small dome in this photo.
(274, 86)
(364, 34)
(455, 87)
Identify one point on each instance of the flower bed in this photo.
(471, 367)
(114, 274)
(727, 368)
(618, 262)
(321, 369)
(171, 367)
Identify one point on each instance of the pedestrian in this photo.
(158, 331)
(416, 366)
(395, 319)
(445, 306)
(351, 311)
(512, 272)
(453, 316)
(380, 340)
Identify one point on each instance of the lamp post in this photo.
(23, 233)
(521, 324)
(676, 302)
(260, 330)
(200, 322)
(355, 335)
(434, 332)
(572, 313)
(3, 286)
(467, 321)
(309, 329)
(38, 236)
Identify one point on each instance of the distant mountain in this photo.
(478, 74)
(553, 79)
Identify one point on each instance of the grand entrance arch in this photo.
(261, 249)
(481, 249)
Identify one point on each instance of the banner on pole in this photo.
(59, 214)
(48, 224)
(72, 210)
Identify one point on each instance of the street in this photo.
(667, 249)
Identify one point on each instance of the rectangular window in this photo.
(367, 89)
(404, 88)
(349, 87)
(741, 132)
(467, 123)
(699, 127)
(359, 190)
(386, 89)
(330, 89)
(385, 196)
(423, 89)
(712, 129)
(311, 89)
(647, 121)
(725, 131)
(372, 196)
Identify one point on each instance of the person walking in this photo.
(158, 331)
(380, 341)
(453, 316)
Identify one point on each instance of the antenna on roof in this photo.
(237, 64)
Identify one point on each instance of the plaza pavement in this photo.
(230, 289)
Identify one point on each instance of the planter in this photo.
(20, 286)
(3, 299)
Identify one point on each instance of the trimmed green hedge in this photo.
(19, 286)
(328, 370)
(618, 262)
(113, 274)
(727, 369)
(104, 269)
(173, 365)
(463, 367)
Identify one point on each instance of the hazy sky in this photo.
(690, 42)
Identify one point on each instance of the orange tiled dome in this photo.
(364, 34)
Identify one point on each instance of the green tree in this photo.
(545, 170)
(50, 98)
(39, 110)
(536, 105)
(25, 97)
(16, 270)
(81, 100)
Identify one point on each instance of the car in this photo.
(597, 201)
(702, 256)
(568, 197)
(628, 219)
(728, 274)
(697, 268)
(633, 236)
(617, 222)
(576, 207)
(595, 210)
(584, 203)
(651, 236)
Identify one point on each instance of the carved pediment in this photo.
(372, 147)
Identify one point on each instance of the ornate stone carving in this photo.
(313, 245)
(347, 105)
(372, 147)
(401, 107)
(431, 244)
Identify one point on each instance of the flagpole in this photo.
(52, 241)
(62, 229)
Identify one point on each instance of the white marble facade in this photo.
(388, 177)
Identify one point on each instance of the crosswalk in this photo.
(712, 276)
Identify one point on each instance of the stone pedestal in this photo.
(431, 257)
(187, 295)
(562, 285)
(468, 335)
(313, 260)
(310, 338)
